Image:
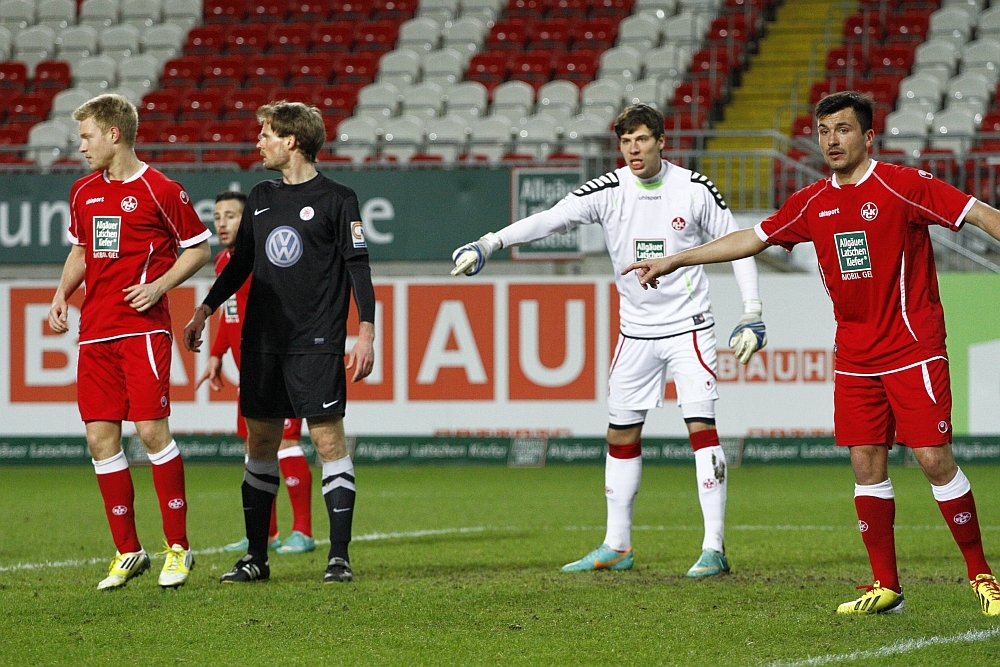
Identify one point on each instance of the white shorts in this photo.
(638, 373)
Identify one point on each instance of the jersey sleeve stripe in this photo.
(952, 226)
(965, 211)
(800, 214)
(204, 236)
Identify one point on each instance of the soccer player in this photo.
(301, 237)
(869, 223)
(127, 222)
(228, 211)
(650, 208)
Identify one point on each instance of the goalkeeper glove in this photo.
(749, 335)
(471, 258)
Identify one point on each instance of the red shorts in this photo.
(293, 427)
(125, 378)
(911, 407)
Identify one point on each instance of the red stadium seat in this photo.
(310, 10)
(549, 34)
(149, 131)
(991, 122)
(508, 34)
(226, 11)
(615, 10)
(376, 36)
(291, 38)
(595, 34)
(357, 67)
(570, 9)
(804, 126)
(489, 67)
(861, 27)
(533, 67)
(335, 100)
(222, 70)
(244, 102)
(910, 26)
(352, 10)
(304, 92)
(226, 132)
(269, 10)
(201, 104)
(394, 9)
(52, 75)
(311, 68)
(525, 9)
(186, 132)
(848, 58)
(333, 36)
(29, 107)
(268, 69)
(246, 39)
(13, 76)
(894, 58)
(182, 72)
(715, 61)
(206, 39)
(160, 105)
(579, 66)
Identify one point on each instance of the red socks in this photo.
(298, 481)
(168, 478)
(876, 517)
(960, 515)
(115, 482)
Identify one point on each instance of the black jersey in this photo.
(297, 241)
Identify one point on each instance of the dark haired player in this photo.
(651, 208)
(301, 238)
(869, 223)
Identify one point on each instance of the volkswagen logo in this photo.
(129, 204)
(962, 518)
(284, 246)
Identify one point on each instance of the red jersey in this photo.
(230, 314)
(876, 259)
(131, 231)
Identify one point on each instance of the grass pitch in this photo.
(460, 565)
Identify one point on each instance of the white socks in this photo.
(621, 484)
(713, 476)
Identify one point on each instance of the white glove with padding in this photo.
(471, 258)
(749, 335)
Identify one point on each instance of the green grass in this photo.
(492, 594)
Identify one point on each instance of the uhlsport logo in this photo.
(129, 204)
(284, 246)
(862, 526)
(869, 211)
(175, 503)
(963, 518)
(649, 248)
(679, 223)
(119, 510)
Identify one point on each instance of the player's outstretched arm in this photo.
(212, 373)
(736, 245)
(72, 278)
(986, 218)
(362, 355)
(471, 258)
(144, 296)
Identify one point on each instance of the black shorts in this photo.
(281, 386)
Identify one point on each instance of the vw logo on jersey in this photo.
(129, 204)
(869, 211)
(284, 246)
(307, 213)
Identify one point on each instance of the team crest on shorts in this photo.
(942, 426)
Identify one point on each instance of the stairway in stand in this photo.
(762, 100)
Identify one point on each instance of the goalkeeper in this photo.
(651, 208)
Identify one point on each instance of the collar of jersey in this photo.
(864, 178)
(654, 182)
(649, 186)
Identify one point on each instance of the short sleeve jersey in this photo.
(877, 262)
(131, 231)
(296, 240)
(230, 314)
(643, 221)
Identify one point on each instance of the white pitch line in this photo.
(896, 648)
(368, 537)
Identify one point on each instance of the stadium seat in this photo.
(48, 141)
(394, 10)
(6, 43)
(953, 129)
(424, 100)
(647, 91)
(160, 105)
(246, 39)
(951, 24)
(163, 41)
(937, 57)
(508, 35)
(466, 35)
(602, 98)
(585, 135)
(96, 73)
(551, 34)
(99, 14)
(530, 10)
(402, 137)
(531, 67)
(558, 99)
(537, 137)
(357, 68)
(141, 14)
(378, 101)
(56, 14)
(982, 56)
(356, 138)
(316, 68)
(378, 36)
(891, 59)
(639, 31)
(289, 38)
(969, 86)
(921, 86)
(467, 99)
(182, 72)
(670, 61)
(569, 9)
(31, 107)
(205, 40)
(269, 11)
(13, 77)
(185, 132)
(51, 74)
(17, 14)
(223, 70)
(201, 104)
(598, 33)
(988, 23)
(420, 35)
(906, 130)
(622, 64)
(863, 27)
(446, 137)
(272, 68)
(491, 137)
(302, 92)
(67, 101)
(337, 100)
(685, 30)
(338, 36)
(486, 11)
(33, 45)
(439, 11)
(579, 66)
(242, 103)
(804, 126)
(226, 11)
(488, 68)
(400, 67)
(513, 99)
(183, 13)
(309, 11)
(119, 42)
(141, 73)
(444, 67)
(352, 10)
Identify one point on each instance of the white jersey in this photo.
(643, 220)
